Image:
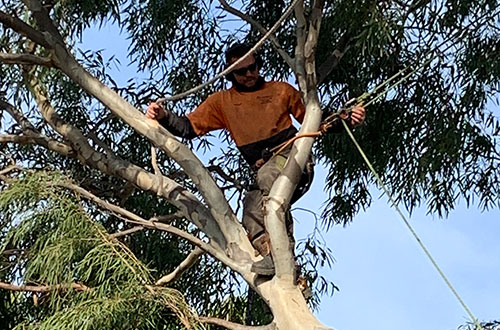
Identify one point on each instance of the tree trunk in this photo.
(289, 307)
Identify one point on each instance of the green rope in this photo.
(408, 225)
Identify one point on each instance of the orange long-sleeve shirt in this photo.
(249, 117)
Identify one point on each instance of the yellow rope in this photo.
(408, 225)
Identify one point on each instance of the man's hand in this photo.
(358, 116)
(155, 111)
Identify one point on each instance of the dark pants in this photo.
(253, 214)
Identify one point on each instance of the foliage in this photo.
(60, 246)
(433, 137)
(492, 325)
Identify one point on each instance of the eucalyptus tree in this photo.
(429, 133)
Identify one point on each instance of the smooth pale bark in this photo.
(237, 244)
(281, 293)
(289, 307)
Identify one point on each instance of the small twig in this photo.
(157, 170)
(17, 115)
(128, 231)
(43, 288)
(217, 169)
(183, 266)
(288, 59)
(100, 122)
(13, 252)
(167, 218)
(100, 143)
(10, 168)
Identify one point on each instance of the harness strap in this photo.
(326, 124)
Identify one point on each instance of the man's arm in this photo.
(356, 118)
(178, 125)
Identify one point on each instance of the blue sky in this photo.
(385, 280)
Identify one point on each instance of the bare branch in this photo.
(17, 115)
(235, 240)
(13, 252)
(39, 139)
(19, 26)
(25, 59)
(162, 218)
(10, 168)
(100, 143)
(127, 231)
(217, 169)
(343, 45)
(278, 201)
(179, 196)
(330, 63)
(43, 288)
(312, 41)
(128, 216)
(42, 17)
(288, 59)
(234, 326)
(154, 163)
(300, 31)
(183, 266)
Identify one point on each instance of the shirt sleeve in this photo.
(295, 105)
(178, 125)
(208, 115)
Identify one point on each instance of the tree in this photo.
(433, 124)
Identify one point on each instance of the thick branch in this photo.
(19, 26)
(278, 201)
(288, 59)
(238, 245)
(25, 59)
(234, 326)
(179, 196)
(43, 288)
(312, 41)
(300, 31)
(187, 263)
(128, 216)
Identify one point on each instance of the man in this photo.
(257, 115)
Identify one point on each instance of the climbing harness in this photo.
(343, 114)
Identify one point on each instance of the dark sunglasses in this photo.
(243, 71)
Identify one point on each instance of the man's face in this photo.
(247, 72)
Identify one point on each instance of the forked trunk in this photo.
(289, 307)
